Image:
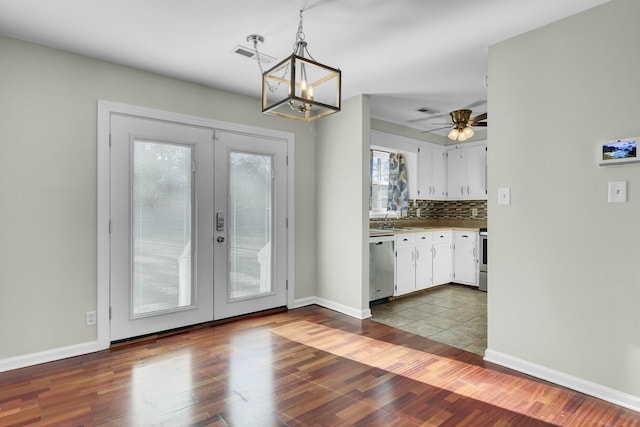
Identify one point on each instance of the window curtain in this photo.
(398, 190)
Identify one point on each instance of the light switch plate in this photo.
(617, 192)
(504, 196)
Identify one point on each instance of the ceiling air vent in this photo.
(427, 110)
(250, 53)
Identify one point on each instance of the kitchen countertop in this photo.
(376, 232)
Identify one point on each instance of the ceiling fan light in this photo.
(453, 134)
(468, 132)
(462, 137)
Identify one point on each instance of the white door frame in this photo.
(105, 109)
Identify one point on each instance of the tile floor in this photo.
(451, 314)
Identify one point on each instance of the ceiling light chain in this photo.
(255, 38)
(300, 45)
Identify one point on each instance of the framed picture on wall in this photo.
(619, 151)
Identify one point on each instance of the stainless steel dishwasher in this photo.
(381, 267)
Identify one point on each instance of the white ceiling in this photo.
(407, 54)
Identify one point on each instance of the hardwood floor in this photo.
(306, 367)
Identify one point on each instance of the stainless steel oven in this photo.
(484, 234)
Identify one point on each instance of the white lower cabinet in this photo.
(424, 261)
(434, 258)
(442, 257)
(413, 263)
(405, 264)
(465, 257)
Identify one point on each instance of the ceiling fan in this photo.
(461, 122)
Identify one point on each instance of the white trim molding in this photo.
(31, 359)
(583, 386)
(105, 110)
(331, 305)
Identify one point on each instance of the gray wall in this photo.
(342, 177)
(564, 283)
(48, 184)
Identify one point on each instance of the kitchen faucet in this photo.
(393, 224)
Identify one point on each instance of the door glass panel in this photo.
(250, 225)
(162, 227)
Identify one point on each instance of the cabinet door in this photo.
(424, 267)
(439, 173)
(464, 263)
(405, 270)
(425, 186)
(457, 174)
(442, 263)
(477, 172)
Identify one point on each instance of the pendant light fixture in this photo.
(299, 87)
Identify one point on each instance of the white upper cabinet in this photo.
(457, 173)
(477, 172)
(437, 172)
(467, 172)
(432, 173)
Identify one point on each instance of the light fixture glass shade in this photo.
(453, 134)
(468, 132)
(461, 137)
(302, 89)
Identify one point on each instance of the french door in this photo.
(198, 226)
(251, 202)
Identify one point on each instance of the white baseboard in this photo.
(587, 387)
(303, 302)
(340, 308)
(31, 359)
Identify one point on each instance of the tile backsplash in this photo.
(448, 209)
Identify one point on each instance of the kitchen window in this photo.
(379, 182)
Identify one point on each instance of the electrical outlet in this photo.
(90, 318)
(474, 212)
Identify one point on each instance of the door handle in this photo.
(219, 221)
(220, 239)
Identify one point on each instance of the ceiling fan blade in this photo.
(478, 118)
(429, 117)
(479, 124)
(433, 130)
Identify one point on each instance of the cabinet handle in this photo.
(467, 189)
(462, 190)
(434, 252)
(412, 256)
(417, 254)
(474, 252)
